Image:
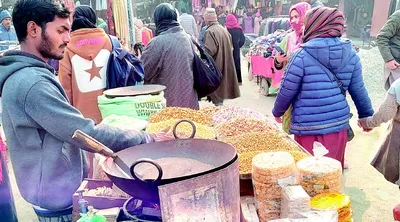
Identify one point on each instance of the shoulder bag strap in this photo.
(114, 42)
(326, 69)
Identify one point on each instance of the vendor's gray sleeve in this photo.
(50, 109)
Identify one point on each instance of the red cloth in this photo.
(110, 19)
(334, 142)
(147, 35)
(396, 213)
(4, 154)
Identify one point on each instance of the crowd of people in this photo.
(320, 68)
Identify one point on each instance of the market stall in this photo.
(225, 162)
(261, 59)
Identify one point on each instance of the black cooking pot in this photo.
(215, 153)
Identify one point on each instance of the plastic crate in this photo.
(98, 202)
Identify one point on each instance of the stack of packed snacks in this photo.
(184, 129)
(241, 126)
(271, 171)
(336, 202)
(294, 201)
(180, 113)
(250, 144)
(319, 174)
(229, 113)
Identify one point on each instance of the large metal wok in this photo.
(218, 154)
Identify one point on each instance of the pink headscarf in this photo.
(231, 22)
(301, 8)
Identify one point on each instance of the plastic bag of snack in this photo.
(319, 174)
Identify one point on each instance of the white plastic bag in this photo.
(319, 174)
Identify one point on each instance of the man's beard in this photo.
(7, 25)
(46, 46)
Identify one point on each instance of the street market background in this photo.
(372, 197)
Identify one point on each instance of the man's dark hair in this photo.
(39, 11)
(183, 10)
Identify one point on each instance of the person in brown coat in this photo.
(218, 44)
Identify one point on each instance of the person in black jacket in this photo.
(238, 41)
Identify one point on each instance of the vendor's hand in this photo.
(392, 65)
(362, 123)
(278, 119)
(162, 135)
(281, 58)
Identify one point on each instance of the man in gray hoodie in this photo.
(38, 120)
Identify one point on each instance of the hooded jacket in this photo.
(319, 107)
(317, 4)
(83, 70)
(39, 123)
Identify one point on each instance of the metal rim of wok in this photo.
(218, 154)
(155, 164)
(134, 90)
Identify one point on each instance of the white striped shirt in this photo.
(189, 24)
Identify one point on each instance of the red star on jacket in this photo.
(94, 71)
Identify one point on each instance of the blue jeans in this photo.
(54, 216)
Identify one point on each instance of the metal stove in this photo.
(137, 210)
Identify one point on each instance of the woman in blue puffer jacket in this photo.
(312, 82)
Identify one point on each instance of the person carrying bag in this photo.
(207, 76)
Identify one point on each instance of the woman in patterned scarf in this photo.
(315, 83)
(323, 23)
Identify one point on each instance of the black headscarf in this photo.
(165, 17)
(84, 17)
